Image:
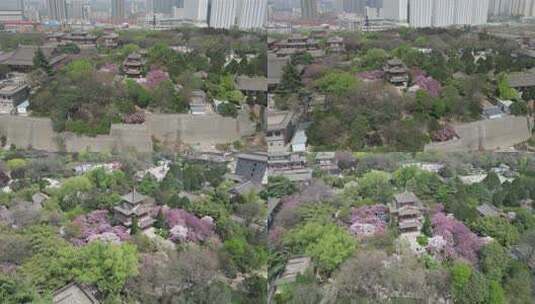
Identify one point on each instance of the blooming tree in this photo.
(457, 240)
(185, 226)
(428, 84)
(96, 226)
(155, 77)
(369, 220)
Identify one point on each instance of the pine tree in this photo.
(135, 226)
(426, 227)
(40, 62)
(291, 80)
(160, 220)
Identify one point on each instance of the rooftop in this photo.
(294, 267)
(246, 83)
(278, 120)
(488, 210)
(406, 197)
(73, 294)
(133, 197)
(521, 79)
(23, 55)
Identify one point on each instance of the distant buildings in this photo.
(397, 10)
(196, 10)
(75, 10)
(244, 14)
(309, 9)
(252, 14)
(351, 6)
(443, 13)
(57, 10)
(117, 11)
(500, 8)
(11, 10)
(524, 8)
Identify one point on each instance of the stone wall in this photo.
(488, 134)
(199, 129)
(29, 132)
(37, 133)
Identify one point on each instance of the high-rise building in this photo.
(309, 9)
(525, 8)
(57, 10)
(196, 10)
(252, 14)
(224, 13)
(500, 7)
(351, 6)
(75, 9)
(164, 6)
(443, 13)
(397, 10)
(11, 10)
(12, 5)
(117, 11)
(421, 13)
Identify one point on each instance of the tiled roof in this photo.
(521, 79)
(246, 83)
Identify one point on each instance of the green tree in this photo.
(227, 109)
(505, 91)
(291, 79)
(14, 291)
(376, 185)
(40, 62)
(498, 228)
(374, 59)
(160, 220)
(280, 186)
(78, 69)
(460, 277)
(427, 228)
(327, 244)
(496, 293)
(134, 227)
(337, 83)
(492, 181)
(108, 266)
(494, 261)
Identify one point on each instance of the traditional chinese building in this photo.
(80, 38)
(135, 205)
(407, 210)
(110, 40)
(396, 72)
(336, 44)
(133, 66)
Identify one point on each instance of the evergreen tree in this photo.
(291, 80)
(426, 227)
(40, 62)
(160, 220)
(135, 226)
(492, 181)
